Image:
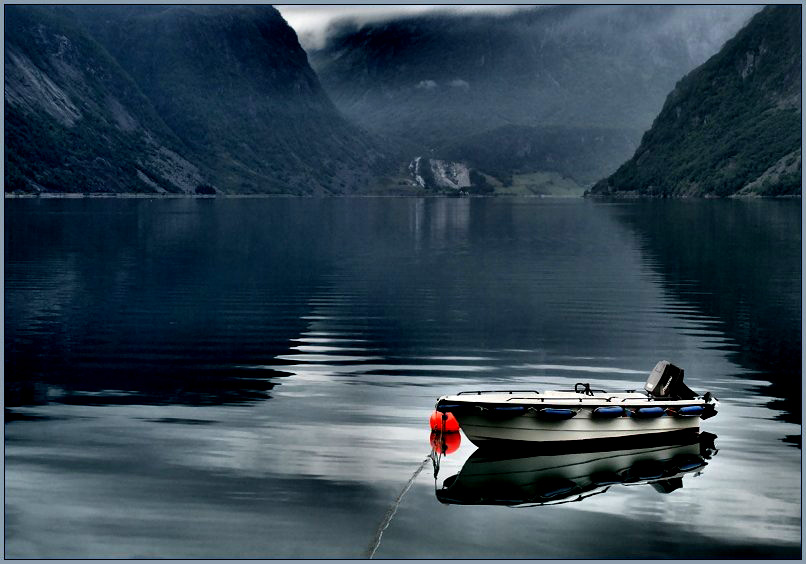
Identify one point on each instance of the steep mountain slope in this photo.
(236, 87)
(75, 121)
(732, 126)
(230, 86)
(430, 82)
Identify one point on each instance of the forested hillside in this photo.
(732, 126)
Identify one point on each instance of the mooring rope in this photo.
(390, 513)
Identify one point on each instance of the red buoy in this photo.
(444, 422)
(445, 443)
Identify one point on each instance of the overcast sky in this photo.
(310, 22)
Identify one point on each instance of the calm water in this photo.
(253, 378)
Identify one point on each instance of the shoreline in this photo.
(609, 198)
(131, 196)
(644, 197)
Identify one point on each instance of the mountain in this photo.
(435, 83)
(731, 126)
(75, 121)
(224, 93)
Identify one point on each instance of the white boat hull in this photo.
(481, 430)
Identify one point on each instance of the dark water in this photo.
(253, 378)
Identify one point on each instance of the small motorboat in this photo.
(666, 404)
(551, 477)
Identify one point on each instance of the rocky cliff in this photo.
(75, 121)
(171, 98)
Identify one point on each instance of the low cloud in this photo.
(427, 84)
(459, 83)
(312, 22)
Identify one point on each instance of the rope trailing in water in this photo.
(390, 513)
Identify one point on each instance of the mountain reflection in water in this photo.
(753, 290)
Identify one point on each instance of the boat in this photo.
(572, 475)
(666, 404)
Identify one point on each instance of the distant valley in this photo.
(565, 90)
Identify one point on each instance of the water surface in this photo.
(253, 378)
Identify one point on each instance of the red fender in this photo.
(444, 422)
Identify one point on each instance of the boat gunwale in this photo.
(584, 401)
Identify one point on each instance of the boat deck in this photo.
(564, 398)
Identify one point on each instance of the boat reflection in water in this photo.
(563, 476)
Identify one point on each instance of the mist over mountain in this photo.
(731, 126)
(171, 98)
(436, 81)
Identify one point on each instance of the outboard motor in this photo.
(666, 381)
